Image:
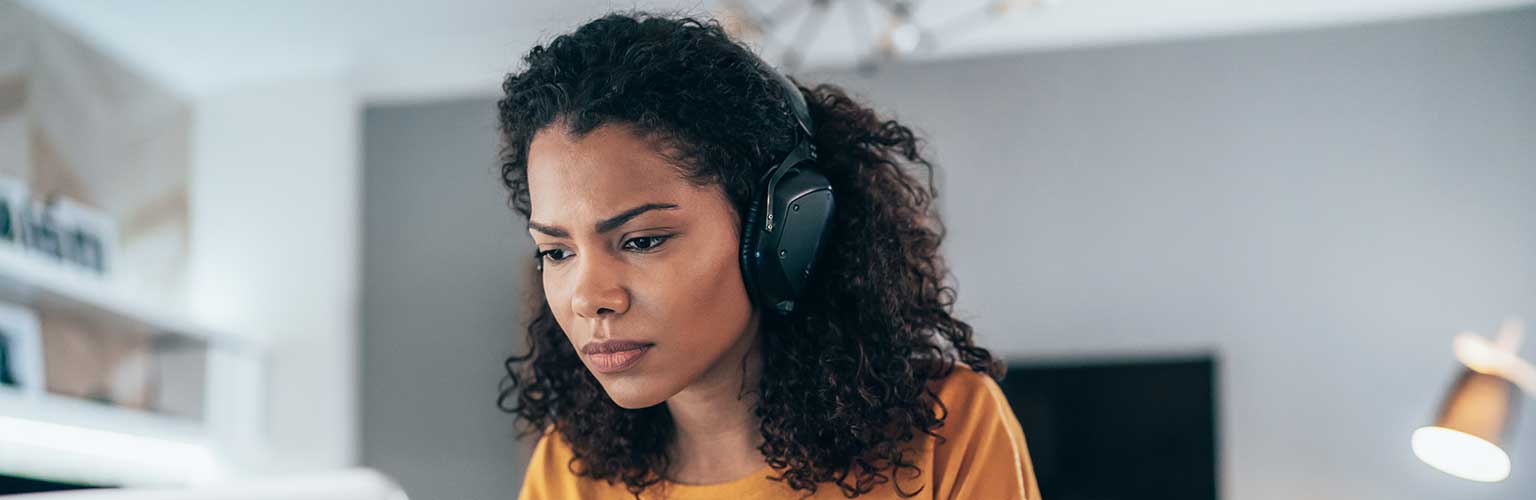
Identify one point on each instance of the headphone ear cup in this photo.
(749, 237)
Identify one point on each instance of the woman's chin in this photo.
(633, 394)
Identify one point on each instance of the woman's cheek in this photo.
(558, 297)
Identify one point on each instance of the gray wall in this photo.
(441, 301)
(1320, 209)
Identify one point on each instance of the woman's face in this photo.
(640, 265)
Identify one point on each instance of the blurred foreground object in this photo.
(887, 29)
(1478, 413)
(347, 484)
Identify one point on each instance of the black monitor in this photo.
(1132, 429)
(16, 484)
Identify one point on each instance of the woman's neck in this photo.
(716, 432)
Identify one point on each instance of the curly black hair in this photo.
(846, 382)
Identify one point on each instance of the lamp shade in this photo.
(1473, 421)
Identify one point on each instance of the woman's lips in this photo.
(617, 360)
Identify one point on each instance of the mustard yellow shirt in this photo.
(984, 457)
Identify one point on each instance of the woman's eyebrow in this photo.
(604, 225)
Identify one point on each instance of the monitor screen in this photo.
(10, 485)
(1119, 429)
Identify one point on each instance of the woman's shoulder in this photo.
(549, 476)
(982, 441)
(964, 383)
(975, 394)
(539, 478)
(549, 448)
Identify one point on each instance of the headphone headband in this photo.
(792, 97)
(795, 101)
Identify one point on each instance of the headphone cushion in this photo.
(749, 237)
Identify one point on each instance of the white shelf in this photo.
(66, 439)
(38, 281)
(63, 439)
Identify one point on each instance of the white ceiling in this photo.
(423, 49)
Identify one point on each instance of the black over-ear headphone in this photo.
(789, 214)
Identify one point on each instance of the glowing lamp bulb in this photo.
(1460, 454)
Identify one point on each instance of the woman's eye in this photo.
(554, 255)
(645, 243)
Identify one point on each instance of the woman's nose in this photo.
(599, 291)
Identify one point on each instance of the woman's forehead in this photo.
(606, 171)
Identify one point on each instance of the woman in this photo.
(637, 149)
